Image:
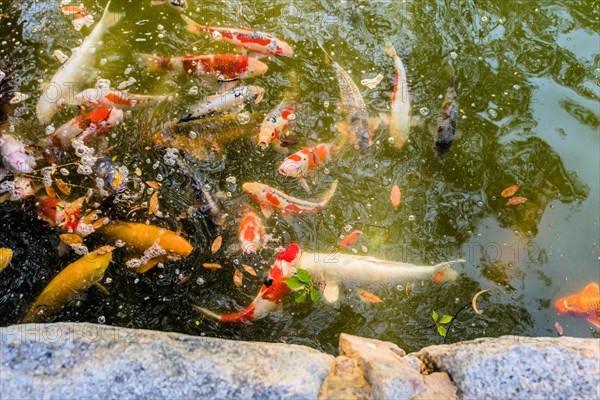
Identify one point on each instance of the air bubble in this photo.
(492, 113)
(424, 110)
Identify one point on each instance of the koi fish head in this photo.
(14, 155)
(584, 303)
(283, 49)
(293, 166)
(569, 304)
(255, 68)
(253, 189)
(255, 94)
(173, 243)
(267, 134)
(114, 118)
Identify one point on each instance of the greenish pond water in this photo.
(527, 76)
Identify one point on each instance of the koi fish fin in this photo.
(331, 292)
(266, 211)
(304, 184)
(101, 288)
(148, 265)
(591, 290)
(192, 26)
(207, 312)
(329, 194)
(594, 319)
(109, 19)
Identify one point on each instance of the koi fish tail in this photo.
(191, 25)
(110, 19)
(390, 50)
(449, 273)
(329, 194)
(327, 56)
(245, 315)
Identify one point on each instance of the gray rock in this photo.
(390, 375)
(70, 360)
(520, 368)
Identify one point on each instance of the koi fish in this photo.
(59, 213)
(114, 177)
(75, 278)
(585, 304)
(271, 293)
(98, 121)
(276, 123)
(299, 164)
(251, 233)
(336, 268)
(180, 5)
(109, 98)
(356, 125)
(248, 39)
(209, 205)
(204, 136)
(74, 71)
(270, 198)
(232, 101)
(399, 120)
(77, 11)
(447, 121)
(227, 67)
(156, 244)
(15, 157)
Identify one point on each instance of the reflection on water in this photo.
(512, 128)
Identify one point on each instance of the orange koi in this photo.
(251, 232)
(300, 163)
(245, 38)
(276, 123)
(227, 67)
(271, 293)
(585, 304)
(270, 199)
(350, 240)
(99, 121)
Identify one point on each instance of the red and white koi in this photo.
(276, 123)
(108, 98)
(399, 120)
(99, 121)
(259, 42)
(15, 157)
(270, 199)
(251, 233)
(271, 293)
(226, 67)
(299, 164)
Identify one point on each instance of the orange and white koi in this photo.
(108, 98)
(59, 213)
(356, 124)
(259, 42)
(251, 233)
(271, 293)
(270, 199)
(299, 164)
(585, 304)
(276, 123)
(98, 121)
(227, 67)
(77, 11)
(399, 120)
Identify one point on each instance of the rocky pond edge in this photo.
(88, 361)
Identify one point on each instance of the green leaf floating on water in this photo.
(435, 317)
(303, 275)
(300, 296)
(294, 283)
(446, 319)
(442, 331)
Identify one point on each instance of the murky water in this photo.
(527, 79)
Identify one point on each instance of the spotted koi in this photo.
(276, 123)
(245, 38)
(251, 232)
(226, 67)
(299, 164)
(270, 199)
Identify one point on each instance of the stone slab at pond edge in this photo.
(87, 361)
